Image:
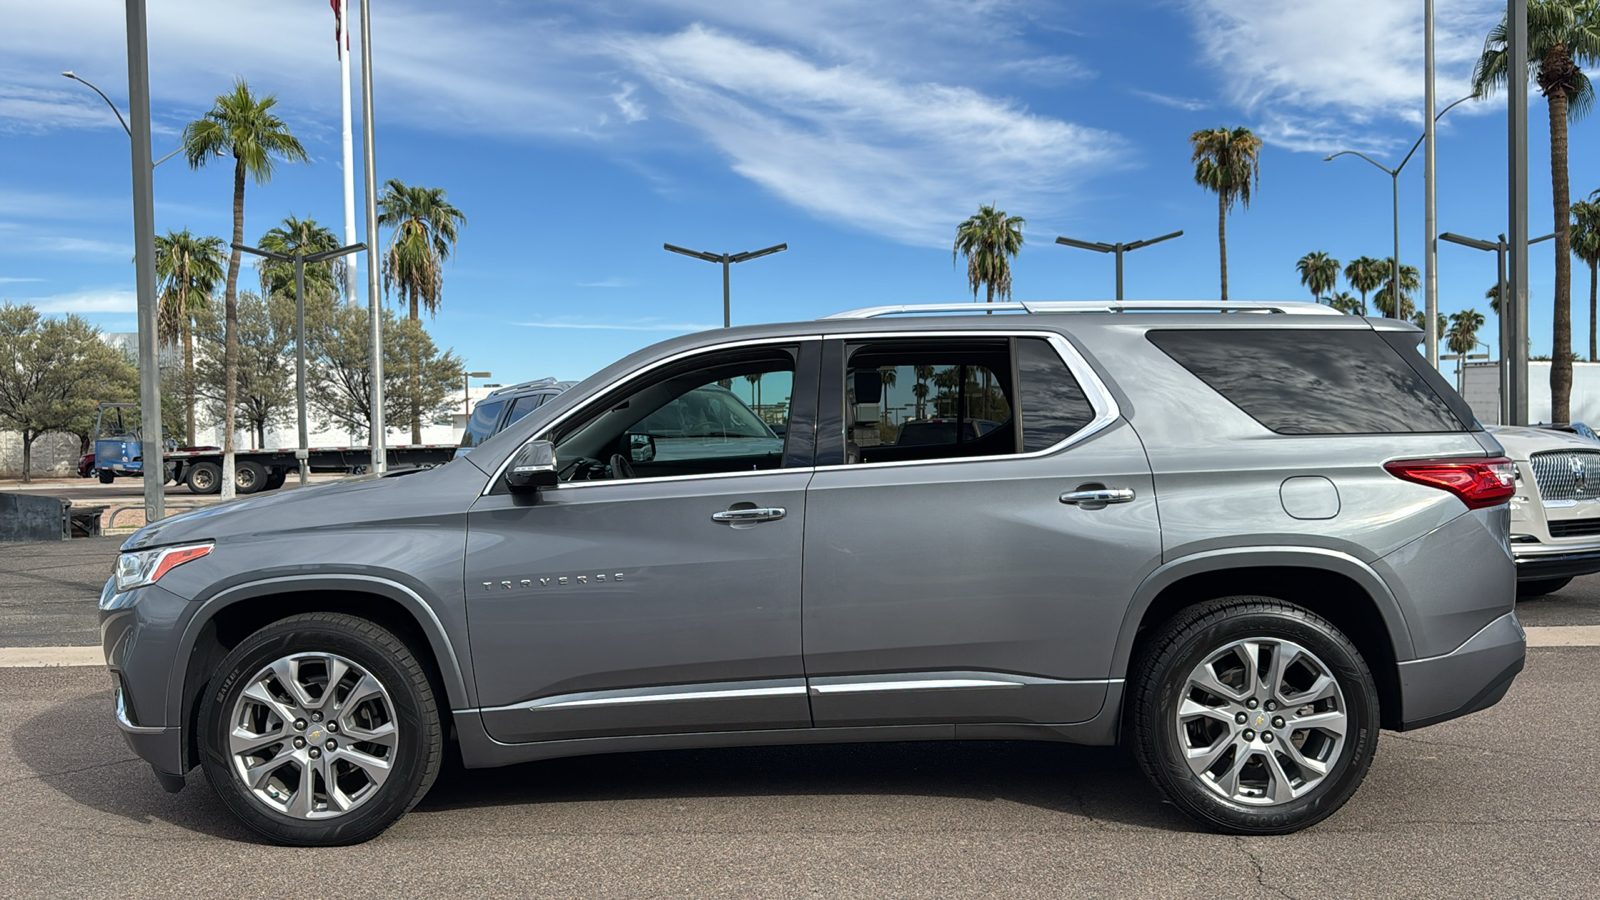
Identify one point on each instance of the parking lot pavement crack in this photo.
(41, 776)
(1261, 872)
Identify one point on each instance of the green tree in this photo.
(264, 394)
(1366, 275)
(1227, 163)
(989, 240)
(1563, 36)
(244, 127)
(890, 376)
(1348, 303)
(299, 237)
(51, 373)
(188, 269)
(919, 390)
(423, 228)
(1409, 280)
(339, 381)
(1463, 333)
(1441, 325)
(1319, 273)
(1586, 246)
(1493, 296)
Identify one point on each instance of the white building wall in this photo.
(1481, 390)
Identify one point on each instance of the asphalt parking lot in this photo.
(1500, 804)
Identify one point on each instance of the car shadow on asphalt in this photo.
(1095, 784)
(75, 749)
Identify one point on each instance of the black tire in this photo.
(1541, 587)
(275, 480)
(249, 477)
(106, 476)
(419, 744)
(204, 478)
(1160, 683)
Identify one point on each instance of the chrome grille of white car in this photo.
(1567, 474)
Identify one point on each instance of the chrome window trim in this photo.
(125, 723)
(664, 361)
(1100, 397)
(668, 693)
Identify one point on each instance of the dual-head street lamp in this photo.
(1513, 322)
(1394, 176)
(300, 260)
(1118, 249)
(726, 259)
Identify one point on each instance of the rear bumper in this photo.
(1470, 678)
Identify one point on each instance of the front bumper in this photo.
(1537, 562)
(139, 637)
(1470, 678)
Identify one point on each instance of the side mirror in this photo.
(533, 467)
(641, 448)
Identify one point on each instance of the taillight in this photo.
(1478, 482)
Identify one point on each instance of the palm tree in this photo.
(244, 127)
(1562, 36)
(1493, 296)
(1409, 280)
(1462, 337)
(1348, 303)
(187, 271)
(1366, 275)
(920, 389)
(1586, 246)
(1419, 318)
(890, 376)
(755, 391)
(299, 237)
(424, 227)
(988, 240)
(1319, 273)
(423, 233)
(1227, 163)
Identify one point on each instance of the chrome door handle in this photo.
(739, 516)
(1102, 495)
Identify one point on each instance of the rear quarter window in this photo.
(1305, 381)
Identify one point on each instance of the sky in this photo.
(578, 137)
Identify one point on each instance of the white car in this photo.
(1555, 515)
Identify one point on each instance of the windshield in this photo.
(709, 411)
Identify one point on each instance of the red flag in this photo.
(338, 27)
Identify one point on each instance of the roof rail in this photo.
(547, 381)
(1289, 307)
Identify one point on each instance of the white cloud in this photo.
(9, 280)
(1330, 74)
(1187, 104)
(632, 110)
(858, 148)
(606, 283)
(106, 300)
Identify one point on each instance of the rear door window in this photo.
(524, 405)
(1322, 381)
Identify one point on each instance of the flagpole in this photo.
(349, 153)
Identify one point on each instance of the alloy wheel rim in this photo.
(1261, 721)
(313, 736)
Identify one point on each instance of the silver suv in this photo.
(1239, 539)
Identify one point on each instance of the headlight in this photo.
(142, 567)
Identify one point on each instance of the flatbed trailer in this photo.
(267, 470)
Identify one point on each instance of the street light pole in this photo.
(377, 431)
(299, 260)
(466, 389)
(726, 259)
(1508, 317)
(144, 258)
(90, 85)
(1430, 273)
(1517, 201)
(1394, 175)
(1118, 249)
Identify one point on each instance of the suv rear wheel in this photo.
(320, 729)
(1254, 716)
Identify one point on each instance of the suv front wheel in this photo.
(320, 729)
(1254, 716)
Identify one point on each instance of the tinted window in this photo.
(481, 427)
(1312, 382)
(524, 405)
(935, 399)
(1053, 403)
